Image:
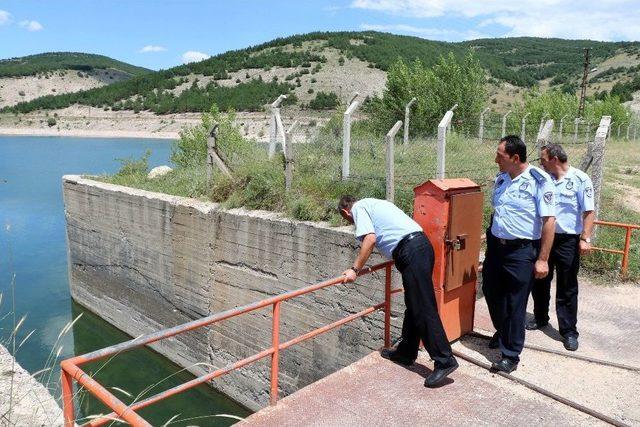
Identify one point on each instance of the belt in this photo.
(513, 242)
(404, 240)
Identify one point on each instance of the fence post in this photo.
(620, 124)
(452, 108)
(442, 143)
(544, 136)
(67, 398)
(610, 127)
(628, 126)
(407, 111)
(288, 157)
(504, 124)
(545, 115)
(275, 356)
(576, 122)
(561, 125)
(481, 126)
(635, 131)
(276, 125)
(213, 156)
(523, 127)
(597, 171)
(346, 137)
(588, 136)
(390, 161)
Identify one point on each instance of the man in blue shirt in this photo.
(518, 244)
(381, 224)
(574, 224)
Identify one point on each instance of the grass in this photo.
(258, 182)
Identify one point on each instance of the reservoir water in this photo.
(34, 281)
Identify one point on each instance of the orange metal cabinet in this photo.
(450, 213)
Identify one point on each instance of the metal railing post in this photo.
(387, 307)
(625, 254)
(275, 356)
(67, 398)
(407, 113)
(390, 160)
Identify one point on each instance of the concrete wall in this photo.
(147, 261)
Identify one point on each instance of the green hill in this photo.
(233, 79)
(54, 61)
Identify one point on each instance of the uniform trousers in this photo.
(565, 260)
(414, 259)
(507, 277)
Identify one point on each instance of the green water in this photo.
(34, 281)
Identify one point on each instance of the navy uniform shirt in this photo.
(520, 203)
(386, 220)
(574, 196)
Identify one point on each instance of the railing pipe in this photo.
(275, 356)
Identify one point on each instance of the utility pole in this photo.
(583, 92)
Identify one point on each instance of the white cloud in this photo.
(193, 56)
(591, 19)
(428, 32)
(152, 48)
(5, 17)
(31, 25)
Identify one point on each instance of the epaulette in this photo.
(539, 175)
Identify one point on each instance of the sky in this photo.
(161, 34)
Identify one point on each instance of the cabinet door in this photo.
(463, 239)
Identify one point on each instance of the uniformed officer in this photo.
(518, 244)
(381, 224)
(574, 224)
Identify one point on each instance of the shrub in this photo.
(324, 101)
(131, 167)
(51, 122)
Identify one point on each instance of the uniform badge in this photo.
(524, 186)
(548, 197)
(589, 192)
(499, 182)
(569, 185)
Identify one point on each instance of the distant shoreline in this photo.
(87, 133)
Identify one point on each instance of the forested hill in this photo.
(318, 70)
(56, 61)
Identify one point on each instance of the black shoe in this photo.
(534, 324)
(570, 342)
(395, 357)
(494, 342)
(505, 365)
(438, 375)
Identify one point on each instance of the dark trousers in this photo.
(565, 260)
(414, 259)
(507, 277)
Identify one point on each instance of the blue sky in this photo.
(164, 33)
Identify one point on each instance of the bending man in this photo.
(381, 224)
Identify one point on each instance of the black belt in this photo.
(513, 242)
(404, 240)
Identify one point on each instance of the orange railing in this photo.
(71, 367)
(627, 243)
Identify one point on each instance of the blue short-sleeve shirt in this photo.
(388, 222)
(574, 196)
(521, 203)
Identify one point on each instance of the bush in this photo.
(324, 101)
(131, 167)
(51, 122)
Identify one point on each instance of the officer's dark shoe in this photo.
(534, 324)
(505, 365)
(395, 357)
(494, 342)
(439, 375)
(570, 342)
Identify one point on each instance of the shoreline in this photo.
(88, 133)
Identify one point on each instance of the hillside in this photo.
(30, 77)
(341, 63)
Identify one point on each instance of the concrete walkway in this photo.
(376, 392)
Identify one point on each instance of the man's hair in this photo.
(513, 145)
(346, 202)
(555, 150)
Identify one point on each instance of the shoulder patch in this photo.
(538, 175)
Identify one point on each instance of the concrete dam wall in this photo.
(146, 261)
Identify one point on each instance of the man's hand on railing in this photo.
(585, 248)
(349, 276)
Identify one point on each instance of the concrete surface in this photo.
(146, 261)
(23, 400)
